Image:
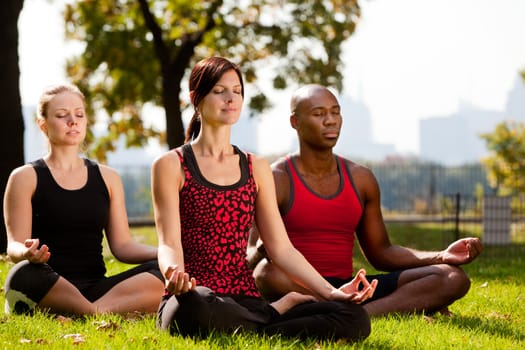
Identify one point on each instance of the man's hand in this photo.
(355, 294)
(462, 251)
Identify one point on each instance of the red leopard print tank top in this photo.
(215, 224)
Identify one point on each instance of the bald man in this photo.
(326, 201)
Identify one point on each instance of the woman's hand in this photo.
(178, 282)
(357, 290)
(290, 300)
(35, 255)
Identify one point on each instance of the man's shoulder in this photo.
(357, 169)
(280, 173)
(279, 164)
(350, 162)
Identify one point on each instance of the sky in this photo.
(408, 60)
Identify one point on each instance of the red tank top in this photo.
(215, 224)
(323, 228)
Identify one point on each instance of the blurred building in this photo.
(455, 139)
(356, 140)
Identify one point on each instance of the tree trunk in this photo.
(170, 95)
(12, 130)
(172, 74)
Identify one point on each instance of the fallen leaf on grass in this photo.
(29, 341)
(498, 315)
(102, 325)
(63, 319)
(76, 337)
(428, 319)
(341, 342)
(135, 316)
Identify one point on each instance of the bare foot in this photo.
(290, 300)
(446, 312)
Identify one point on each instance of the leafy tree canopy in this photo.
(506, 163)
(138, 52)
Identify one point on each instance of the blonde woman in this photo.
(57, 210)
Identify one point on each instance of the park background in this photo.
(422, 81)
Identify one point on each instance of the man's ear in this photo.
(293, 120)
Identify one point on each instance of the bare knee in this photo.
(446, 283)
(457, 281)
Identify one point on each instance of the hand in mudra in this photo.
(358, 289)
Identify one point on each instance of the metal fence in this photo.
(458, 199)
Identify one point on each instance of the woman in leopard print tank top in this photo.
(206, 195)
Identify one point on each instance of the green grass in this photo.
(490, 316)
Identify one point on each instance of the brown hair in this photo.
(204, 75)
(51, 91)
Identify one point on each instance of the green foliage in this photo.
(139, 51)
(506, 163)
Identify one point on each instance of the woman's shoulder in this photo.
(109, 175)
(23, 177)
(23, 171)
(103, 168)
(261, 168)
(167, 158)
(167, 163)
(258, 161)
(107, 170)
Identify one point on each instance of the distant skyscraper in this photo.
(455, 139)
(443, 139)
(356, 139)
(515, 107)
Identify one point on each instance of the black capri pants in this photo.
(27, 283)
(201, 311)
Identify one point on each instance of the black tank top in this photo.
(71, 222)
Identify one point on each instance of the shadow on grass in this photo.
(497, 326)
(503, 263)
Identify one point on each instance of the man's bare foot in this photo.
(446, 312)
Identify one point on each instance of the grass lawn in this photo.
(490, 316)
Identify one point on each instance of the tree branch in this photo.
(160, 48)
